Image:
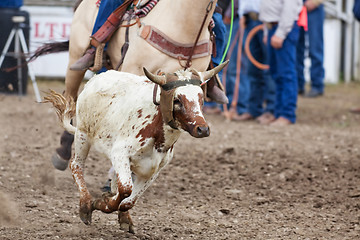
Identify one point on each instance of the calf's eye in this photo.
(177, 103)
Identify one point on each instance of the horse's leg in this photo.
(72, 83)
(77, 165)
(62, 156)
(79, 42)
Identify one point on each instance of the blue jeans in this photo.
(261, 84)
(316, 51)
(220, 38)
(105, 10)
(244, 87)
(220, 41)
(283, 70)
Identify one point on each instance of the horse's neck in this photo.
(181, 19)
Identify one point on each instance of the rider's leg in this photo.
(214, 88)
(105, 9)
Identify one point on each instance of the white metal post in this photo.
(355, 63)
(348, 46)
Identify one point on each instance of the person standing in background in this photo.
(316, 16)
(282, 34)
(232, 68)
(262, 86)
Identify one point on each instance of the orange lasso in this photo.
(247, 48)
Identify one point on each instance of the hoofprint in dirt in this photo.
(243, 182)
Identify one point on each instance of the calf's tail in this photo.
(64, 109)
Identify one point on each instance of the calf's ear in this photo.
(161, 80)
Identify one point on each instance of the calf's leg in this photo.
(77, 165)
(124, 185)
(140, 186)
(125, 221)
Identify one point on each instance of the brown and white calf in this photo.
(116, 114)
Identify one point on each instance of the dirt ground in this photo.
(245, 181)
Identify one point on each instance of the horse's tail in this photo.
(64, 109)
(47, 48)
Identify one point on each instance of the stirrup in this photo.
(85, 61)
(98, 61)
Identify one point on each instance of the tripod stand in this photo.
(17, 35)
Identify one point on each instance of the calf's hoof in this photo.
(127, 227)
(58, 162)
(85, 215)
(125, 222)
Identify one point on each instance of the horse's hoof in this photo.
(59, 163)
(127, 227)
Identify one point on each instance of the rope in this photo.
(238, 69)
(231, 28)
(247, 48)
(229, 113)
(232, 46)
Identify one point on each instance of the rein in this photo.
(208, 9)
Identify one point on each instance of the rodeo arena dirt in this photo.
(244, 181)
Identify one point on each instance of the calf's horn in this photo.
(161, 80)
(208, 74)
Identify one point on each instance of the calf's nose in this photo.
(202, 131)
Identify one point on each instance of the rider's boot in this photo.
(85, 61)
(62, 156)
(215, 93)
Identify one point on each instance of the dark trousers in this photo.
(283, 70)
(262, 86)
(316, 50)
